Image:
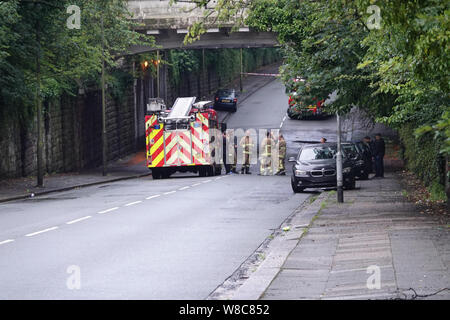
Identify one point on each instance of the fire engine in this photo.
(184, 138)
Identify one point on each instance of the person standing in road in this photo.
(281, 155)
(247, 146)
(232, 151)
(379, 150)
(323, 140)
(225, 154)
(266, 157)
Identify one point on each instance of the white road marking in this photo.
(218, 178)
(170, 192)
(39, 232)
(152, 197)
(6, 241)
(132, 203)
(108, 210)
(184, 188)
(281, 124)
(78, 220)
(196, 184)
(206, 181)
(284, 118)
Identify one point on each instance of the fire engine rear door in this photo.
(178, 147)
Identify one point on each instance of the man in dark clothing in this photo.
(378, 153)
(224, 154)
(368, 151)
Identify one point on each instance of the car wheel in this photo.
(295, 188)
(351, 185)
(364, 176)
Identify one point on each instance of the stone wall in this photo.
(72, 130)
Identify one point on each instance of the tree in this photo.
(38, 53)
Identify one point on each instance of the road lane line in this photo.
(170, 192)
(184, 188)
(132, 203)
(108, 210)
(196, 184)
(206, 181)
(152, 197)
(284, 118)
(41, 231)
(78, 220)
(6, 241)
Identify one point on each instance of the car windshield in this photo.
(317, 153)
(350, 148)
(225, 92)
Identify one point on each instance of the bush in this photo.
(422, 157)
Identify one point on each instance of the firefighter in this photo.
(281, 155)
(247, 144)
(266, 157)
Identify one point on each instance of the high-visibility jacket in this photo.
(267, 147)
(246, 144)
(282, 148)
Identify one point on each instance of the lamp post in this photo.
(340, 180)
(104, 138)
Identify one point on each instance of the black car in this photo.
(225, 99)
(315, 167)
(356, 153)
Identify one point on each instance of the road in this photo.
(151, 239)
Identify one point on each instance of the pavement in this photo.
(130, 167)
(338, 251)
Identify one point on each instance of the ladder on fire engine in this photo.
(181, 108)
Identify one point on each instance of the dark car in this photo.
(366, 154)
(356, 154)
(315, 167)
(225, 99)
(297, 109)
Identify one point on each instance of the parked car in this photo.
(315, 167)
(226, 100)
(357, 157)
(366, 154)
(297, 109)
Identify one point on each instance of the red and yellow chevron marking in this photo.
(177, 147)
(199, 135)
(154, 141)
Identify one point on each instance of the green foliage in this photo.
(422, 155)
(69, 58)
(226, 62)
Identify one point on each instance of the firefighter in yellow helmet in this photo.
(266, 156)
(247, 146)
(281, 155)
